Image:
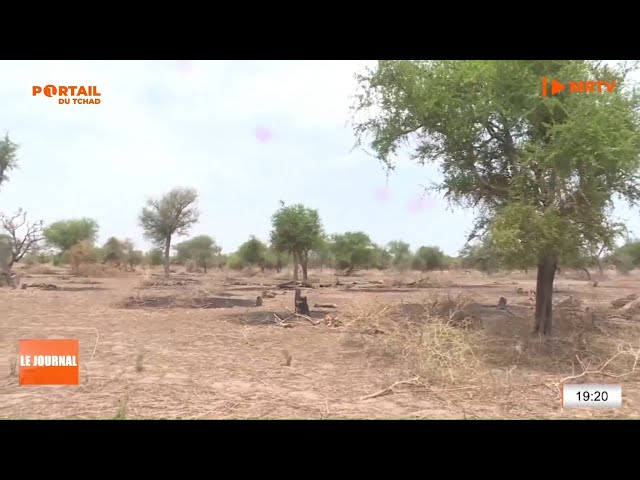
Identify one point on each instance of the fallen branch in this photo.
(280, 322)
(325, 305)
(389, 389)
(586, 371)
(309, 319)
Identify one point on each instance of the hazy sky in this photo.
(245, 134)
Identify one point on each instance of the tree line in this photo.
(297, 240)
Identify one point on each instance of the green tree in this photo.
(353, 250)
(202, 250)
(8, 158)
(321, 256)
(427, 259)
(296, 230)
(132, 256)
(64, 234)
(480, 255)
(234, 262)
(253, 252)
(541, 171)
(113, 251)
(155, 257)
(626, 257)
(173, 213)
(401, 253)
(382, 258)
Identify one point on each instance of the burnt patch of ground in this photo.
(186, 302)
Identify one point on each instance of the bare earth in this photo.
(201, 349)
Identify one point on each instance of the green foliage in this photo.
(322, 254)
(154, 257)
(542, 171)
(353, 250)
(382, 258)
(64, 234)
(401, 254)
(8, 158)
(252, 253)
(427, 259)
(202, 250)
(96, 255)
(173, 213)
(296, 229)
(626, 257)
(480, 255)
(114, 251)
(235, 262)
(6, 251)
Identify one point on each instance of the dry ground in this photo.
(201, 349)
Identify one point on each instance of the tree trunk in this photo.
(305, 262)
(167, 250)
(600, 269)
(295, 266)
(547, 265)
(587, 272)
(205, 268)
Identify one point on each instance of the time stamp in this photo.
(591, 396)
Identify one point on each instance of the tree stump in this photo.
(258, 301)
(301, 304)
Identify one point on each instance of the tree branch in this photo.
(20, 246)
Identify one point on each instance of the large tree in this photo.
(541, 171)
(202, 250)
(173, 213)
(401, 254)
(253, 252)
(296, 230)
(64, 234)
(353, 250)
(8, 158)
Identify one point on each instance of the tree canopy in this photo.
(64, 234)
(296, 230)
(541, 172)
(8, 158)
(353, 250)
(201, 249)
(174, 213)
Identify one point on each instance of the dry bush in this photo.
(95, 270)
(423, 337)
(428, 340)
(41, 269)
(80, 253)
(191, 266)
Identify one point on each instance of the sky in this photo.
(244, 134)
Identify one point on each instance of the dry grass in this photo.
(439, 351)
(447, 357)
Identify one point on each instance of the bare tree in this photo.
(22, 235)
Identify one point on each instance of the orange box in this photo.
(49, 362)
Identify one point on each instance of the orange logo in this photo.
(49, 362)
(70, 94)
(577, 87)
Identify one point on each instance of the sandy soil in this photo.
(201, 349)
